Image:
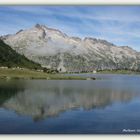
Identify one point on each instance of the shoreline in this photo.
(28, 74)
(110, 72)
(119, 72)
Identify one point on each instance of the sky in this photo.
(117, 24)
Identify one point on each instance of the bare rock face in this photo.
(54, 49)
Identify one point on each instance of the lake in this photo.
(110, 105)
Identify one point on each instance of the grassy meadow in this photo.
(33, 74)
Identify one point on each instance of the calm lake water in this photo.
(107, 106)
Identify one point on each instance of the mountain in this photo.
(10, 58)
(54, 49)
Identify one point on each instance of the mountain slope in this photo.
(10, 58)
(54, 49)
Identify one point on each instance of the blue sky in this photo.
(117, 24)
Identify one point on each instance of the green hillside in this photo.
(10, 58)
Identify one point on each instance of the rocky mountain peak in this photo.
(38, 25)
(105, 42)
(76, 38)
(127, 48)
(52, 30)
(19, 31)
(93, 40)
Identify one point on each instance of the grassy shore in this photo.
(117, 72)
(32, 74)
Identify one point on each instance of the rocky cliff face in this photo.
(54, 49)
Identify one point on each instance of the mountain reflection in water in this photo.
(41, 99)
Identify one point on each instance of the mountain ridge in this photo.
(54, 49)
